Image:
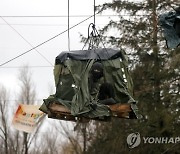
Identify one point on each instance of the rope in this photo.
(68, 29)
(94, 13)
(48, 40)
(26, 41)
(74, 16)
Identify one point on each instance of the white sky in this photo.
(37, 30)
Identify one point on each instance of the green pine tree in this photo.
(155, 72)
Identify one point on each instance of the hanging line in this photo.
(94, 12)
(27, 41)
(92, 37)
(68, 28)
(48, 40)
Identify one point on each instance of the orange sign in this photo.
(27, 117)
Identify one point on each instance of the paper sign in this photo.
(27, 117)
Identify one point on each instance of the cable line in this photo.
(27, 41)
(94, 12)
(23, 67)
(68, 28)
(73, 16)
(48, 40)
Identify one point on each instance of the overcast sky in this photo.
(36, 30)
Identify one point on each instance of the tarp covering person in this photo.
(82, 77)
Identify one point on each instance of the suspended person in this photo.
(99, 89)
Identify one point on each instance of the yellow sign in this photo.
(27, 117)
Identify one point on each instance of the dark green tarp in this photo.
(72, 73)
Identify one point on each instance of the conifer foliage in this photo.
(155, 72)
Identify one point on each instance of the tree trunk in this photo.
(156, 57)
(84, 137)
(25, 143)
